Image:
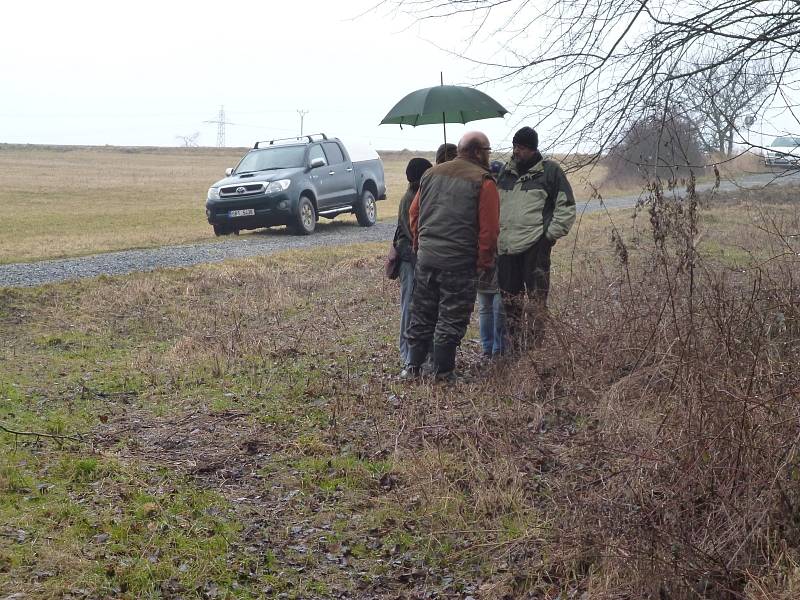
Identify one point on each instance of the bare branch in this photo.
(587, 70)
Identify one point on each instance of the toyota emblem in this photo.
(240, 190)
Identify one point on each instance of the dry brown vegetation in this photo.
(686, 486)
(648, 450)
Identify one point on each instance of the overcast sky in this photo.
(146, 72)
(143, 73)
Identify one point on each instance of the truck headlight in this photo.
(278, 186)
(213, 193)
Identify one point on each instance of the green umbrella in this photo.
(443, 104)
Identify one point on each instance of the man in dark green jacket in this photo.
(536, 208)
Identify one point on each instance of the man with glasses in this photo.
(454, 226)
(536, 208)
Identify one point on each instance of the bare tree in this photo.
(188, 141)
(588, 69)
(720, 101)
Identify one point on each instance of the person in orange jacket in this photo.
(454, 226)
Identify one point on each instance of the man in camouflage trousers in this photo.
(537, 207)
(455, 226)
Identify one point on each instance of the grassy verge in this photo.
(241, 431)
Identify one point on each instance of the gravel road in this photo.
(268, 241)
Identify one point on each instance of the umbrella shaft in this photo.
(444, 127)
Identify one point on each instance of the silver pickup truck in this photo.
(294, 182)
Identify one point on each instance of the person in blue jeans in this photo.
(491, 314)
(491, 317)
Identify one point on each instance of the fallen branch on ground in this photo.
(40, 434)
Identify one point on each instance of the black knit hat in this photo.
(527, 137)
(416, 169)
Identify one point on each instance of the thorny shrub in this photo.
(690, 477)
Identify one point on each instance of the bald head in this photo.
(474, 146)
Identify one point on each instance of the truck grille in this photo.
(239, 191)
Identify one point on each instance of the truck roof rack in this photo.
(308, 137)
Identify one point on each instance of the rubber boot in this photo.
(444, 360)
(417, 355)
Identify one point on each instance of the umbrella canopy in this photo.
(443, 104)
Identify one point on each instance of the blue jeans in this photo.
(492, 321)
(406, 290)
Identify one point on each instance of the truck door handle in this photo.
(331, 172)
(350, 170)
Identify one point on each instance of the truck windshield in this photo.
(267, 159)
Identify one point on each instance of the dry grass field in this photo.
(63, 201)
(72, 201)
(239, 430)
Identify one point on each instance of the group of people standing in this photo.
(465, 231)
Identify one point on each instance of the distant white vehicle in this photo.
(784, 151)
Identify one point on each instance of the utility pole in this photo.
(302, 114)
(220, 122)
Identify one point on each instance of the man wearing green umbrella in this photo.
(455, 234)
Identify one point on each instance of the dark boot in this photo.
(444, 359)
(417, 355)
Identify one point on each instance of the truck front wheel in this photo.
(305, 219)
(366, 211)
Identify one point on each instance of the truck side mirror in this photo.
(317, 162)
(228, 171)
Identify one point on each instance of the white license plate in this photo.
(245, 212)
